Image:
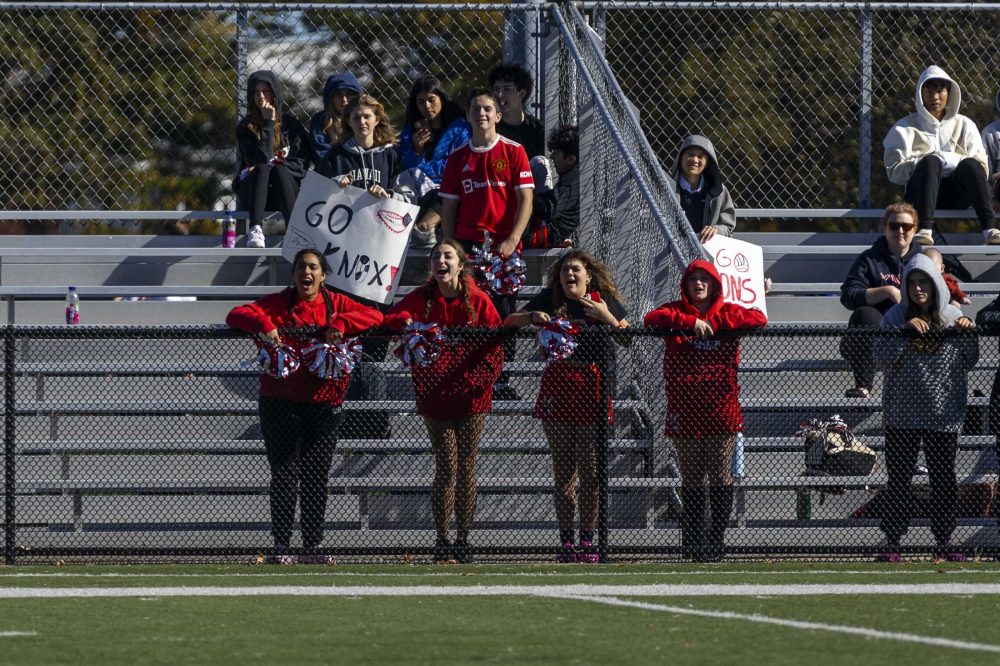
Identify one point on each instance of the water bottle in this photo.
(737, 466)
(229, 230)
(803, 504)
(72, 307)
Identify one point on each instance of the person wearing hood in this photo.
(924, 398)
(325, 127)
(273, 153)
(706, 201)
(991, 141)
(570, 404)
(937, 155)
(703, 400)
(872, 286)
(366, 154)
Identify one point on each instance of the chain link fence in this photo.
(159, 453)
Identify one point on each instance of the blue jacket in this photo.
(457, 133)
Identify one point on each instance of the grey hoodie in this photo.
(924, 386)
(719, 209)
(921, 134)
(991, 139)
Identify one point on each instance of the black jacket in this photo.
(530, 134)
(252, 150)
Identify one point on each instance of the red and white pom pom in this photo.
(557, 338)
(332, 361)
(277, 360)
(495, 274)
(421, 345)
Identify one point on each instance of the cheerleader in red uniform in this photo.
(300, 415)
(569, 404)
(703, 400)
(455, 392)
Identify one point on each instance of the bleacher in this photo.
(158, 446)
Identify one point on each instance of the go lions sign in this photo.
(363, 238)
(741, 267)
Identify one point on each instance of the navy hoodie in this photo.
(379, 165)
(253, 150)
(875, 267)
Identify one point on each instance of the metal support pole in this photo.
(865, 119)
(9, 450)
(241, 62)
(604, 432)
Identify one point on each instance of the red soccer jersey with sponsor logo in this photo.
(485, 182)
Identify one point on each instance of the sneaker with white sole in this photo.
(255, 237)
(991, 236)
(924, 237)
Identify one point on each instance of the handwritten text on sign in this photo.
(741, 267)
(363, 238)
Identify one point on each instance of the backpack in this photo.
(831, 449)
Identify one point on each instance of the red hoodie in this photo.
(703, 395)
(284, 310)
(460, 381)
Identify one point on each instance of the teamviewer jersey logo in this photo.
(467, 186)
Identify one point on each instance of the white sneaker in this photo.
(991, 236)
(923, 237)
(255, 237)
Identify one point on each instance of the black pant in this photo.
(268, 187)
(901, 448)
(857, 349)
(928, 189)
(300, 439)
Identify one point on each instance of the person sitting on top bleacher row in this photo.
(872, 286)
(991, 141)
(707, 203)
(937, 154)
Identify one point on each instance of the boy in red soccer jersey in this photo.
(487, 187)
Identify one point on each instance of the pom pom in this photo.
(495, 274)
(277, 360)
(421, 345)
(557, 338)
(332, 361)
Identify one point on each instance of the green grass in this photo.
(494, 629)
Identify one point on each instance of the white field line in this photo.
(660, 590)
(16, 634)
(483, 570)
(794, 624)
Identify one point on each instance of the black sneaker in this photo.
(463, 554)
(444, 552)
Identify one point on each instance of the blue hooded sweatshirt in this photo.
(319, 142)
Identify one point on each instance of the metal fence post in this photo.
(522, 44)
(9, 449)
(241, 62)
(865, 144)
(605, 382)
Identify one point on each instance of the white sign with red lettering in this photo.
(741, 267)
(363, 238)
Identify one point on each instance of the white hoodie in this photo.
(920, 134)
(991, 139)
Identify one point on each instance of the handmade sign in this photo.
(741, 267)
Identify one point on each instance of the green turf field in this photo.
(738, 613)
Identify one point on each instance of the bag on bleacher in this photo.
(832, 450)
(367, 383)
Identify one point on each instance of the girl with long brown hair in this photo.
(455, 392)
(569, 404)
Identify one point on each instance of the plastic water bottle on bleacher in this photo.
(229, 230)
(72, 307)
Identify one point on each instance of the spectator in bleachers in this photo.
(557, 210)
(706, 201)
(326, 126)
(300, 415)
(487, 188)
(365, 156)
(991, 141)
(872, 287)
(569, 404)
(703, 401)
(924, 399)
(937, 154)
(455, 392)
(433, 127)
(957, 297)
(512, 86)
(273, 149)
